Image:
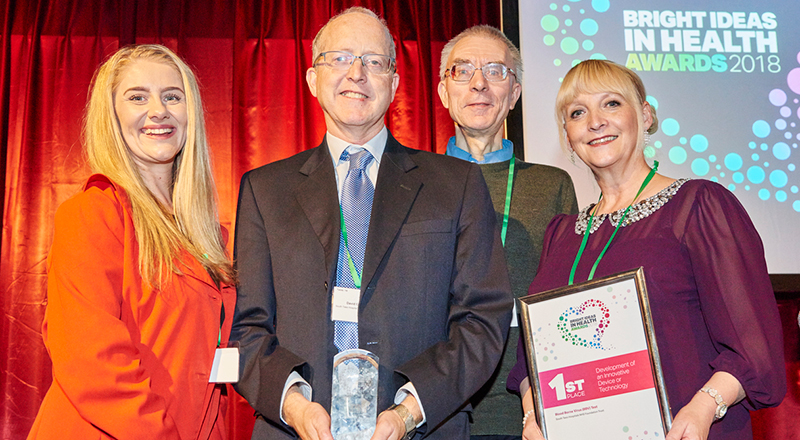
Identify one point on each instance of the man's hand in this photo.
(309, 419)
(390, 426)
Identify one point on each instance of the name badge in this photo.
(345, 304)
(226, 365)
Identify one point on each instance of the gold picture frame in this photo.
(603, 388)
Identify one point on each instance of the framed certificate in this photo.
(593, 361)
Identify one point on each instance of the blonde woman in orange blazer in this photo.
(140, 286)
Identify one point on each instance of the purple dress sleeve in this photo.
(736, 296)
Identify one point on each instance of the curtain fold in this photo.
(250, 58)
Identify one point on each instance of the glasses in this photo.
(493, 72)
(373, 62)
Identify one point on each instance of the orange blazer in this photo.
(129, 362)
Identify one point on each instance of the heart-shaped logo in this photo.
(585, 325)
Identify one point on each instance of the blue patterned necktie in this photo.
(356, 205)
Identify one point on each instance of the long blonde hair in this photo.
(162, 235)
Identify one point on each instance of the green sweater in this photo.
(539, 193)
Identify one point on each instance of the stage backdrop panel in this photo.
(723, 75)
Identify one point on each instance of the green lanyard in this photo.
(221, 320)
(507, 208)
(621, 220)
(221, 313)
(353, 271)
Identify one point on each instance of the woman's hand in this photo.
(530, 431)
(694, 420)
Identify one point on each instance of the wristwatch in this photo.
(408, 419)
(722, 408)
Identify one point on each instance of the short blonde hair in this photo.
(602, 76)
(161, 235)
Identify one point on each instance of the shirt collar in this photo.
(500, 155)
(375, 146)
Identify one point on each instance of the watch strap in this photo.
(722, 407)
(408, 419)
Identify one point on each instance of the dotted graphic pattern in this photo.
(602, 324)
(644, 435)
(766, 164)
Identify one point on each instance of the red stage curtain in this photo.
(250, 58)
(783, 422)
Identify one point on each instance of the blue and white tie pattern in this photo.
(357, 194)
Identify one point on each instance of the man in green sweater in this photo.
(481, 75)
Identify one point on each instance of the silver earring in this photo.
(572, 156)
(648, 150)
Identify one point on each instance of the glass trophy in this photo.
(354, 395)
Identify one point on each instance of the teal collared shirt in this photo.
(500, 155)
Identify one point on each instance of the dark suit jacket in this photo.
(435, 301)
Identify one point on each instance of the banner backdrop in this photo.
(723, 75)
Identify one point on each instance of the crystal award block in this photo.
(354, 395)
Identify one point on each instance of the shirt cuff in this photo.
(404, 391)
(305, 388)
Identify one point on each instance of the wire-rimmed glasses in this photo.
(373, 62)
(494, 72)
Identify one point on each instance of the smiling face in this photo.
(150, 105)
(354, 100)
(478, 106)
(604, 129)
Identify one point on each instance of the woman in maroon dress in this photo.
(713, 308)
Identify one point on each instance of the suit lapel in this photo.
(394, 195)
(318, 198)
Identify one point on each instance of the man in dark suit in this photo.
(435, 301)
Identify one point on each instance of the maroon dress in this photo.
(710, 295)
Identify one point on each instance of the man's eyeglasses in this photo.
(373, 62)
(493, 72)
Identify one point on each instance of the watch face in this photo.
(722, 410)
